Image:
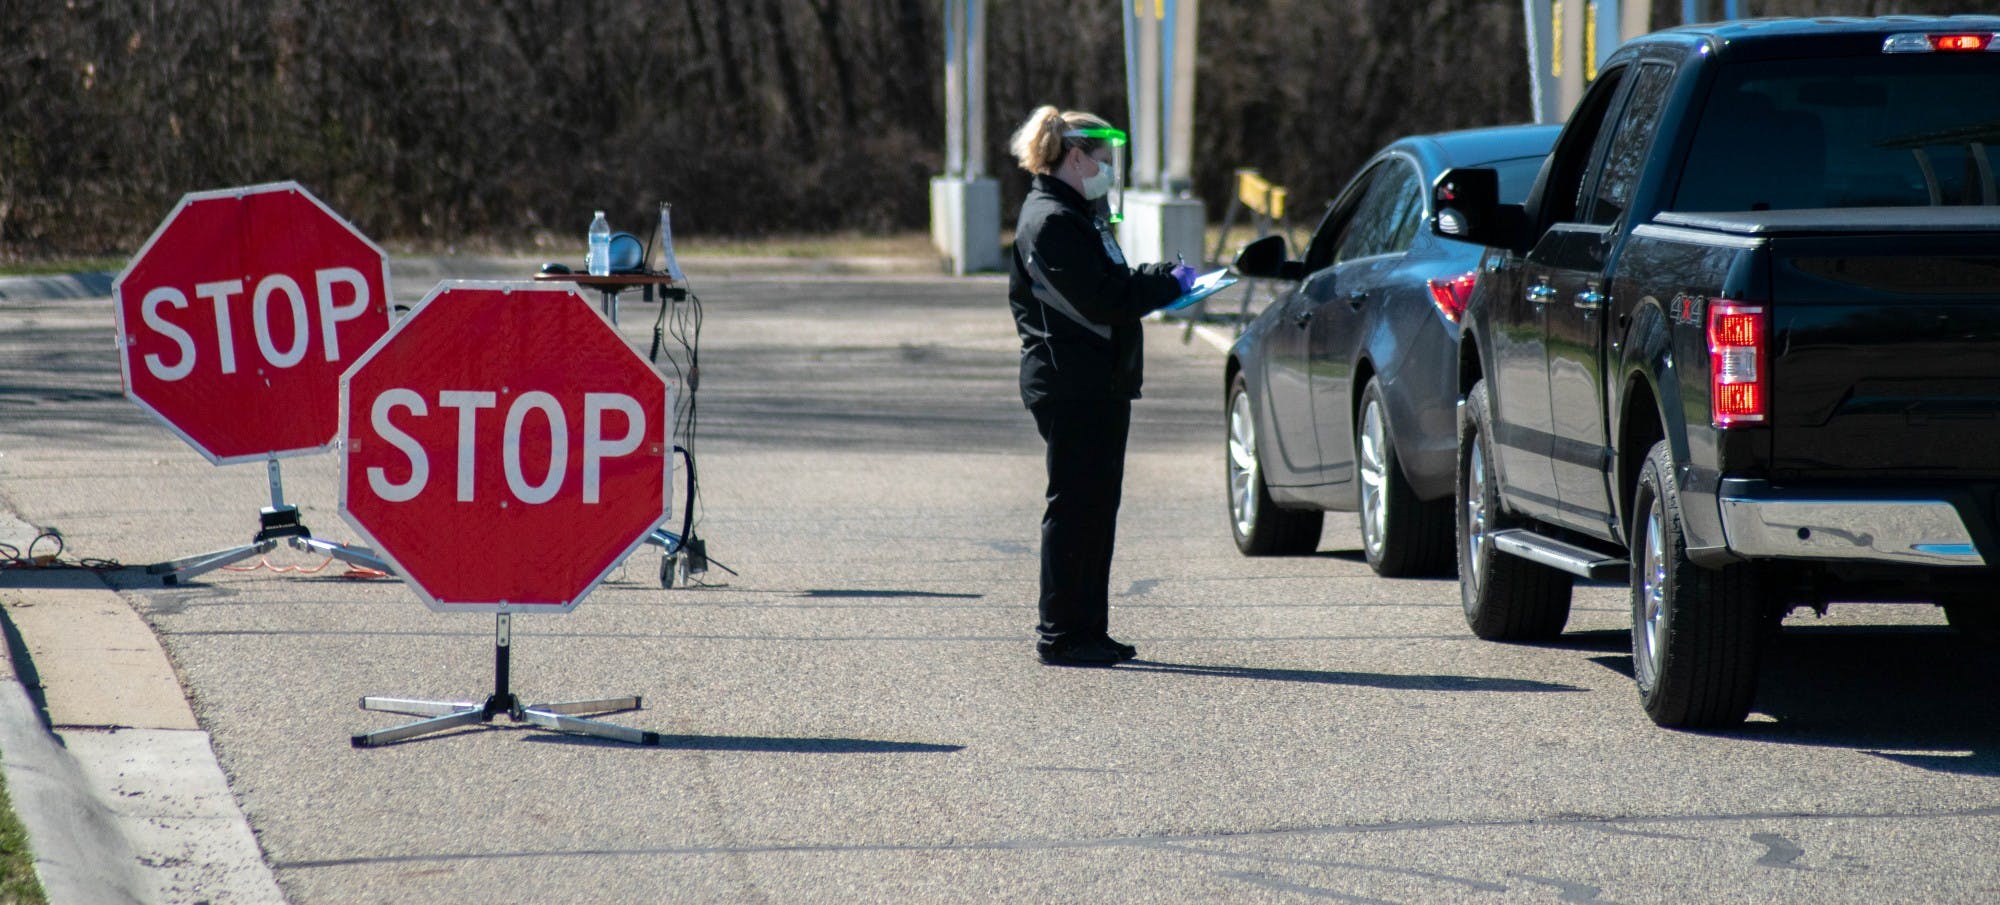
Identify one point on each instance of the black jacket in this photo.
(1076, 303)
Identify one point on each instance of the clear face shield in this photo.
(1090, 141)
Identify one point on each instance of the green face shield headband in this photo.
(1089, 140)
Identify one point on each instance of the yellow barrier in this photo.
(1259, 194)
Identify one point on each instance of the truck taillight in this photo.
(1452, 293)
(1737, 364)
(1919, 42)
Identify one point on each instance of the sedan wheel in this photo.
(1401, 534)
(1260, 527)
(1244, 480)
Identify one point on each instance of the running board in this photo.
(1562, 555)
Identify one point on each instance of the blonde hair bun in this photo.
(1038, 144)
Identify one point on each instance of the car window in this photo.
(1914, 129)
(1386, 220)
(1326, 238)
(1561, 193)
(1634, 137)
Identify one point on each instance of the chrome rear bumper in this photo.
(1919, 532)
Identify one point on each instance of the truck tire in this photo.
(1506, 598)
(1697, 634)
(1401, 535)
(1259, 526)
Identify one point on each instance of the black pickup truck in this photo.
(1741, 346)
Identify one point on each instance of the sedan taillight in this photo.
(1738, 391)
(1451, 294)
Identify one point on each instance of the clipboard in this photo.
(1205, 285)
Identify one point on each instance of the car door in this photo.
(1288, 410)
(1559, 263)
(1293, 408)
(1580, 450)
(1371, 246)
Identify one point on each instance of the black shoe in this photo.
(1080, 653)
(1125, 651)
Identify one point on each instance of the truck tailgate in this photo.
(1886, 355)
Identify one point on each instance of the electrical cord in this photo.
(682, 322)
(12, 557)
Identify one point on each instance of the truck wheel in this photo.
(1506, 598)
(1696, 633)
(1402, 535)
(1260, 527)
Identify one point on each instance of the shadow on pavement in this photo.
(765, 744)
(1608, 640)
(1389, 681)
(1916, 695)
(820, 593)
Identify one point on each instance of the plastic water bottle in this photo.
(600, 246)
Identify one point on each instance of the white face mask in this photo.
(1099, 185)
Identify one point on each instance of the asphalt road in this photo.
(858, 714)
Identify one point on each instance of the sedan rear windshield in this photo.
(1517, 175)
(1889, 130)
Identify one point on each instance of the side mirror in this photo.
(1467, 201)
(1264, 259)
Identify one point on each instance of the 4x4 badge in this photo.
(1686, 309)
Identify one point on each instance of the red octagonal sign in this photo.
(237, 317)
(504, 447)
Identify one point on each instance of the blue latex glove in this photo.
(1186, 274)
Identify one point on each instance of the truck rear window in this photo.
(1885, 131)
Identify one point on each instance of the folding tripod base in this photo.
(174, 570)
(567, 716)
(280, 523)
(275, 522)
(439, 716)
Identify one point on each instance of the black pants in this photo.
(1086, 460)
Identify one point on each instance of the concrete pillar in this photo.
(1569, 40)
(965, 202)
(1162, 219)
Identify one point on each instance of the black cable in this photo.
(682, 321)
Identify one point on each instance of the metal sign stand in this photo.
(276, 522)
(444, 715)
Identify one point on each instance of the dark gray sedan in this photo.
(1340, 394)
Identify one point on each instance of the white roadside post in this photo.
(965, 202)
(1162, 218)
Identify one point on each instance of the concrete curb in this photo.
(118, 787)
(81, 853)
(94, 285)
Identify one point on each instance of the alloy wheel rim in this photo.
(1242, 465)
(1374, 479)
(1475, 517)
(1652, 599)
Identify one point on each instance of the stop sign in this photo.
(504, 447)
(236, 319)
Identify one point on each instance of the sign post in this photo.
(235, 320)
(505, 450)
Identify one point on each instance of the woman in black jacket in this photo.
(1077, 307)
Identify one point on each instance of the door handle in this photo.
(1356, 298)
(1541, 293)
(1590, 300)
(1302, 318)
